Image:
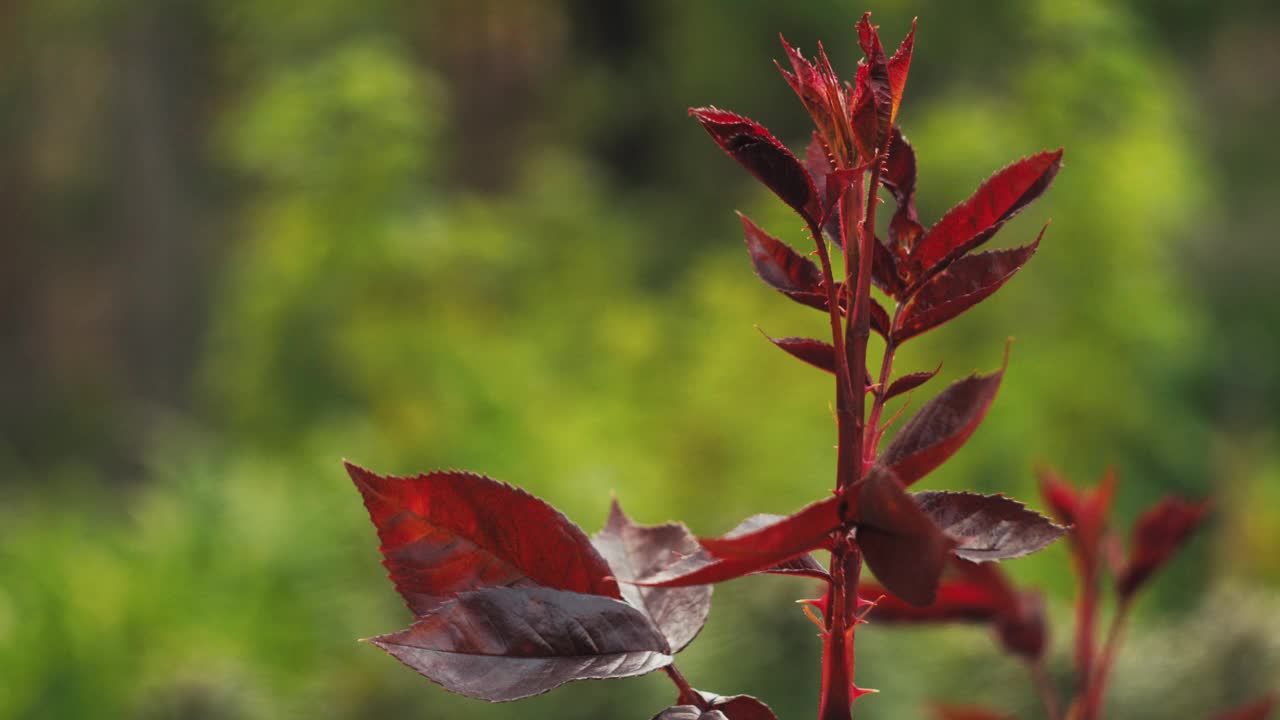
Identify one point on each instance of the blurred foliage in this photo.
(482, 234)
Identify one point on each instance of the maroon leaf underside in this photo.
(965, 283)
(905, 549)
(501, 644)
(909, 382)
(941, 427)
(703, 567)
(988, 527)
(763, 156)
(444, 533)
(976, 220)
(634, 551)
(736, 707)
(1159, 533)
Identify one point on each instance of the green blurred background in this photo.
(243, 239)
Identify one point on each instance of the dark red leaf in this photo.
(1160, 532)
(815, 352)
(817, 161)
(965, 283)
(981, 594)
(502, 644)
(975, 220)
(941, 427)
(444, 533)
(763, 156)
(899, 542)
(899, 178)
(968, 712)
(909, 382)
(898, 67)
(824, 96)
(873, 104)
(957, 601)
(634, 551)
(776, 540)
(702, 567)
(885, 271)
(879, 318)
(805, 565)
(778, 265)
(1084, 510)
(737, 707)
(1257, 710)
(988, 527)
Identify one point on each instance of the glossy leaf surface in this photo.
(448, 532)
(502, 644)
(965, 283)
(763, 156)
(941, 427)
(634, 551)
(988, 527)
(974, 221)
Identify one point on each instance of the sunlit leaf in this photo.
(763, 156)
(988, 527)
(448, 532)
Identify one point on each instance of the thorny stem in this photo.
(844, 384)
(838, 657)
(687, 696)
(1097, 684)
(1048, 695)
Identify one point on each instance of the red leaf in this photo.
(879, 318)
(775, 540)
(980, 594)
(898, 66)
(1257, 710)
(1085, 511)
(957, 601)
(967, 282)
(941, 427)
(702, 567)
(502, 644)
(899, 178)
(634, 551)
(763, 156)
(968, 712)
(873, 104)
(815, 352)
(824, 96)
(988, 527)
(975, 220)
(805, 565)
(737, 707)
(900, 543)
(1160, 532)
(778, 265)
(909, 382)
(885, 271)
(449, 532)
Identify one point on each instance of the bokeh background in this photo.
(243, 239)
